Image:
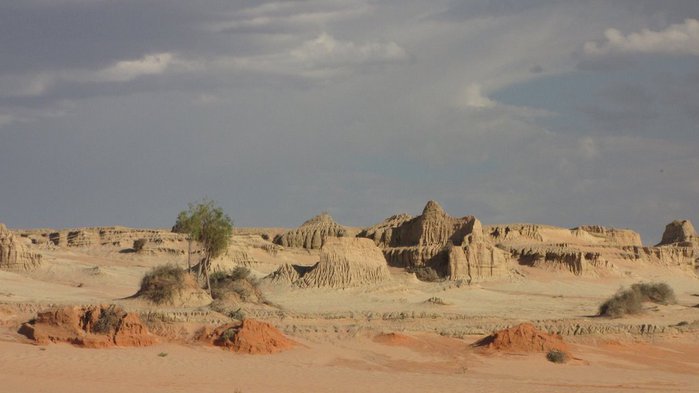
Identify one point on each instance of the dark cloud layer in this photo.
(122, 112)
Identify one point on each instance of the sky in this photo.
(120, 112)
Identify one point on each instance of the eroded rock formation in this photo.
(312, 234)
(249, 336)
(680, 233)
(90, 327)
(344, 263)
(156, 241)
(454, 247)
(14, 255)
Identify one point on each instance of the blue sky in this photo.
(556, 112)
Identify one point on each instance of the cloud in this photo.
(127, 70)
(320, 58)
(474, 98)
(326, 51)
(284, 17)
(677, 39)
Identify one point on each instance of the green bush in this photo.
(557, 356)
(162, 283)
(630, 301)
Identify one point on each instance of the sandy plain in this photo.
(342, 333)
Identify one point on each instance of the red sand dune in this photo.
(523, 338)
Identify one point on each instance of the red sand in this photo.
(76, 325)
(523, 338)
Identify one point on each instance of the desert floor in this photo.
(342, 335)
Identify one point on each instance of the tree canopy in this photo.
(207, 224)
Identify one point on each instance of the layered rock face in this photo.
(157, 241)
(91, 327)
(592, 250)
(455, 247)
(680, 233)
(14, 255)
(344, 263)
(312, 234)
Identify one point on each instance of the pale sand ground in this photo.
(336, 329)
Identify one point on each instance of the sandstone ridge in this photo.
(14, 255)
(312, 234)
(344, 263)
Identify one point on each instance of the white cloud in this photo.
(292, 14)
(320, 58)
(325, 51)
(474, 98)
(127, 70)
(678, 39)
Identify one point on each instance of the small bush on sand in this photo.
(425, 273)
(108, 320)
(236, 284)
(557, 356)
(660, 293)
(138, 244)
(162, 283)
(630, 301)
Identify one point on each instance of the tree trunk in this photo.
(206, 273)
(199, 270)
(189, 254)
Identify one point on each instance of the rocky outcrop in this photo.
(454, 247)
(249, 336)
(14, 255)
(520, 234)
(156, 241)
(562, 259)
(90, 327)
(523, 338)
(347, 262)
(344, 263)
(312, 234)
(611, 236)
(680, 233)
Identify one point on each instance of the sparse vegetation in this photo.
(162, 283)
(436, 300)
(630, 301)
(162, 354)
(557, 356)
(236, 284)
(138, 244)
(108, 320)
(208, 225)
(425, 273)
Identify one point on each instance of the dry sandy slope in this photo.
(431, 364)
(337, 327)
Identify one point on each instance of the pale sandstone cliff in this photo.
(312, 234)
(14, 255)
(344, 263)
(454, 247)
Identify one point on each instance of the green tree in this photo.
(207, 224)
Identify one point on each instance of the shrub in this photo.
(630, 301)
(108, 320)
(138, 244)
(238, 283)
(660, 293)
(425, 273)
(162, 283)
(557, 356)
